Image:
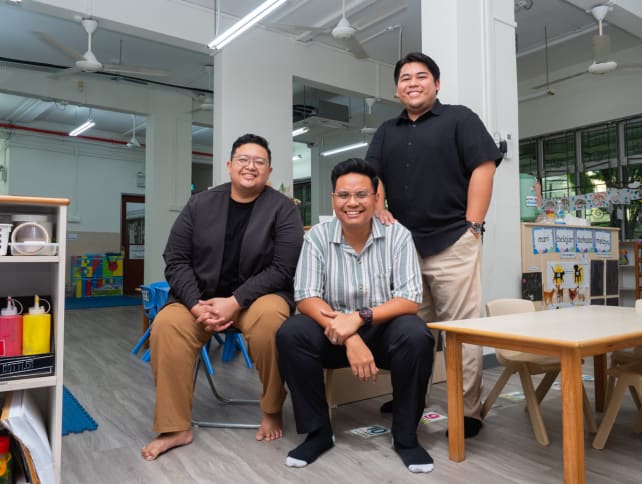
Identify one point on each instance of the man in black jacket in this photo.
(230, 260)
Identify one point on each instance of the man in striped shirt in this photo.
(358, 288)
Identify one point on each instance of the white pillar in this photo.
(168, 167)
(474, 45)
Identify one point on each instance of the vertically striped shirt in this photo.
(330, 269)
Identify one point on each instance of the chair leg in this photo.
(495, 391)
(588, 412)
(240, 344)
(435, 334)
(142, 340)
(611, 412)
(610, 385)
(635, 396)
(545, 385)
(209, 373)
(533, 407)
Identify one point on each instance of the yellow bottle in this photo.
(36, 329)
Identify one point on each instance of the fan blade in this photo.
(630, 66)
(297, 29)
(144, 71)
(355, 47)
(66, 72)
(68, 51)
(561, 79)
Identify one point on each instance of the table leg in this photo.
(599, 371)
(572, 416)
(455, 398)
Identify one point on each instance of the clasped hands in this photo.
(216, 314)
(342, 330)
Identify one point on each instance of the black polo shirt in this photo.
(426, 166)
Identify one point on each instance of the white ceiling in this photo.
(569, 28)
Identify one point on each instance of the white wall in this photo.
(583, 101)
(93, 176)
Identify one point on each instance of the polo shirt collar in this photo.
(436, 110)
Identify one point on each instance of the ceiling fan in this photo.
(88, 62)
(602, 61)
(205, 102)
(370, 123)
(343, 32)
(133, 142)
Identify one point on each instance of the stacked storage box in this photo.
(97, 275)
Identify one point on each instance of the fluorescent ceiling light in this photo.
(536, 95)
(245, 23)
(82, 128)
(301, 130)
(341, 149)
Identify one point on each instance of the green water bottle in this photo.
(5, 460)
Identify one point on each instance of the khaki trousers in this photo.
(176, 341)
(452, 290)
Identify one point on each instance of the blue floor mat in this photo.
(101, 302)
(75, 418)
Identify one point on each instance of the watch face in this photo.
(366, 315)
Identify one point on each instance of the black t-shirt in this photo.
(238, 216)
(425, 166)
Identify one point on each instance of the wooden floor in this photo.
(117, 390)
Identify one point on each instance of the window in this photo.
(559, 166)
(302, 192)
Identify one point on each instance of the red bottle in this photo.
(11, 329)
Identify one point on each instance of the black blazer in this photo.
(269, 251)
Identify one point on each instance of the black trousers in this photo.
(404, 346)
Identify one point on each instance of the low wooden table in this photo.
(569, 334)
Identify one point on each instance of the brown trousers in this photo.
(452, 290)
(176, 341)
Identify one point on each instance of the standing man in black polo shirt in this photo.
(437, 163)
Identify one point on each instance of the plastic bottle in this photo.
(11, 329)
(36, 329)
(5, 460)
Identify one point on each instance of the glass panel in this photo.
(559, 166)
(528, 157)
(302, 192)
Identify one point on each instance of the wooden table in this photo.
(569, 334)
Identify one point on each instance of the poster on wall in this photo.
(602, 242)
(567, 283)
(584, 241)
(565, 241)
(542, 240)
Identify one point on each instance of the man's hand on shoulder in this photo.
(385, 217)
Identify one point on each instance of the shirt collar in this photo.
(378, 230)
(436, 110)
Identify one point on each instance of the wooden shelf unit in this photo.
(28, 275)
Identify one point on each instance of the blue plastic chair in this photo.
(154, 296)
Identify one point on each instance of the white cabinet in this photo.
(27, 275)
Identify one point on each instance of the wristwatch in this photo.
(477, 228)
(366, 315)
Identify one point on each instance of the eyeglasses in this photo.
(345, 196)
(246, 160)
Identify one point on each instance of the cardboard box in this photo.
(343, 387)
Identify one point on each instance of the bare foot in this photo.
(271, 427)
(164, 442)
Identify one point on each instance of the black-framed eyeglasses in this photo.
(246, 160)
(345, 196)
